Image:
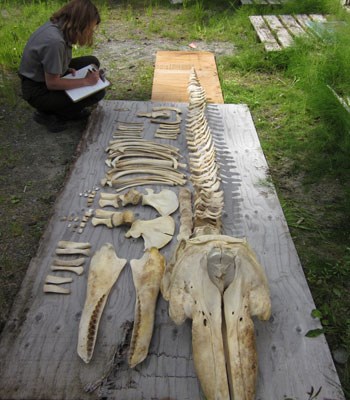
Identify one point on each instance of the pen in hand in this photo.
(101, 73)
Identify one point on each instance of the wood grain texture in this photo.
(171, 74)
(38, 358)
(292, 25)
(264, 33)
(279, 30)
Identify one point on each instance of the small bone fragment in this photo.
(69, 263)
(76, 270)
(108, 199)
(157, 232)
(130, 197)
(73, 245)
(102, 221)
(124, 218)
(69, 251)
(55, 289)
(57, 280)
(166, 136)
(176, 122)
(165, 202)
(113, 219)
(170, 108)
(147, 273)
(104, 271)
(168, 131)
(186, 215)
(156, 114)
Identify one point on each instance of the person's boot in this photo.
(52, 123)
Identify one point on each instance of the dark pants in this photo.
(57, 101)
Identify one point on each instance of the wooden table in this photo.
(38, 358)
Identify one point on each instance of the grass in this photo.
(304, 131)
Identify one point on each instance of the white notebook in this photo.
(85, 91)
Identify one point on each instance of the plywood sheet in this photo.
(38, 358)
(171, 74)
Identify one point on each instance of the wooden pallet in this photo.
(262, 2)
(38, 357)
(277, 32)
(171, 74)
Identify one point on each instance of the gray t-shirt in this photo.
(46, 51)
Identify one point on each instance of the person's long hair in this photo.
(77, 19)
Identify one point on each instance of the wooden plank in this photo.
(264, 33)
(171, 73)
(304, 20)
(292, 25)
(244, 2)
(38, 357)
(318, 17)
(280, 31)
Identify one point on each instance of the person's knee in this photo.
(96, 61)
(100, 95)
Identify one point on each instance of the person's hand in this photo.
(92, 77)
(72, 71)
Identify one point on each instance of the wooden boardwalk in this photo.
(171, 72)
(38, 358)
(277, 32)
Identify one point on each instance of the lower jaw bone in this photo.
(104, 271)
(147, 274)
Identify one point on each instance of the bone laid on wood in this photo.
(105, 268)
(69, 263)
(165, 202)
(147, 273)
(63, 244)
(75, 270)
(113, 219)
(55, 289)
(69, 251)
(57, 280)
(157, 232)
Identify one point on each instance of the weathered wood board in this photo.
(262, 2)
(277, 32)
(38, 358)
(171, 74)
